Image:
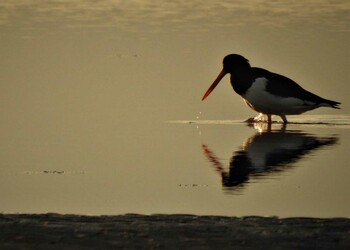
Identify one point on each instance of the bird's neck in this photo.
(241, 80)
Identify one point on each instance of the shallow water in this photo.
(101, 112)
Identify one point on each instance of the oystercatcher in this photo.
(266, 92)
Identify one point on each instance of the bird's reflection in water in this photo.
(265, 153)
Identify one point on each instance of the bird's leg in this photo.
(268, 127)
(283, 128)
(269, 120)
(284, 118)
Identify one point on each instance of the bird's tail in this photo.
(331, 104)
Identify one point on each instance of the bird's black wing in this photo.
(285, 87)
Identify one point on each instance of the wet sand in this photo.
(131, 231)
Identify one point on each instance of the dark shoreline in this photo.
(131, 231)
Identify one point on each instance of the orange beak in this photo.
(214, 84)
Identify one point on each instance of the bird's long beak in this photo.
(215, 83)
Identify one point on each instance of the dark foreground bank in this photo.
(53, 231)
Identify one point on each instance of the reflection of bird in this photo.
(266, 153)
(266, 92)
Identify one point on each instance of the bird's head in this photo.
(231, 63)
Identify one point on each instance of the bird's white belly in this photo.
(262, 101)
